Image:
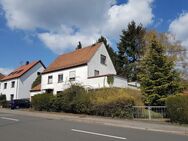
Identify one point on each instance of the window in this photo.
(50, 78)
(12, 97)
(12, 84)
(96, 72)
(60, 78)
(5, 85)
(72, 75)
(103, 59)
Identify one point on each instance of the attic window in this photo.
(103, 59)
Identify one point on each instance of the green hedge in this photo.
(42, 102)
(109, 102)
(177, 107)
(3, 101)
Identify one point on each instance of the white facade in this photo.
(22, 84)
(84, 75)
(36, 93)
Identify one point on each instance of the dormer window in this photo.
(103, 59)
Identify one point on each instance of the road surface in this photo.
(26, 128)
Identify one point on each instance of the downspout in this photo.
(17, 90)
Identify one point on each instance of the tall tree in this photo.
(158, 77)
(174, 50)
(130, 51)
(110, 50)
(79, 46)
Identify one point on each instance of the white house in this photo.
(90, 67)
(18, 83)
(1, 77)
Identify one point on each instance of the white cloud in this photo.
(5, 71)
(66, 22)
(66, 42)
(179, 28)
(120, 15)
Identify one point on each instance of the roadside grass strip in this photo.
(98, 134)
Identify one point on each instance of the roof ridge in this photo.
(74, 58)
(18, 72)
(86, 47)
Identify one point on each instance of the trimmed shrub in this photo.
(121, 108)
(177, 107)
(42, 102)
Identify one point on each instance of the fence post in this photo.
(149, 112)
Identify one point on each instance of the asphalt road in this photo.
(25, 128)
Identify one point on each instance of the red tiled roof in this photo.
(1, 76)
(20, 71)
(36, 88)
(72, 59)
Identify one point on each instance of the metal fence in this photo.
(150, 112)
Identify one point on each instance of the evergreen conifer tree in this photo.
(130, 51)
(158, 77)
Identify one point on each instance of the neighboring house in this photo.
(1, 77)
(18, 83)
(89, 67)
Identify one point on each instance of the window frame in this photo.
(72, 78)
(96, 71)
(103, 59)
(12, 84)
(5, 84)
(59, 79)
(49, 79)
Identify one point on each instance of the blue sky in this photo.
(31, 33)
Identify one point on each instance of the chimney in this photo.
(27, 62)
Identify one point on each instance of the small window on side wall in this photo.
(60, 78)
(72, 75)
(12, 84)
(5, 85)
(103, 59)
(96, 73)
(50, 79)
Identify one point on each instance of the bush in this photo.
(177, 107)
(121, 108)
(42, 102)
(111, 102)
(3, 101)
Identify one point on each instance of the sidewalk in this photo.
(134, 124)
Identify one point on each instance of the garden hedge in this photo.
(177, 107)
(109, 102)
